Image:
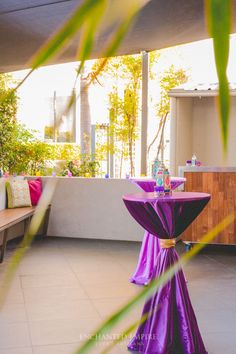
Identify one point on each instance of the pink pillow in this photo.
(35, 187)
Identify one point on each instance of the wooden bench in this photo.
(11, 217)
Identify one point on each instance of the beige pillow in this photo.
(18, 194)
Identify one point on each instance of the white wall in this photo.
(88, 208)
(93, 208)
(181, 132)
(207, 134)
(195, 129)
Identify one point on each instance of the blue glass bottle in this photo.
(155, 167)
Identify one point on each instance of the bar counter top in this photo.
(183, 169)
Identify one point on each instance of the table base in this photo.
(171, 326)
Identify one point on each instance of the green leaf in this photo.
(71, 27)
(89, 28)
(120, 34)
(65, 33)
(89, 32)
(219, 15)
(114, 43)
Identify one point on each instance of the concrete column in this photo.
(111, 154)
(74, 112)
(173, 136)
(54, 117)
(144, 121)
(93, 141)
(85, 118)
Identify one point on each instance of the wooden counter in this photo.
(222, 187)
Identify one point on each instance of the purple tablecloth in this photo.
(171, 326)
(147, 184)
(150, 245)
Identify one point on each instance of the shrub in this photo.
(85, 167)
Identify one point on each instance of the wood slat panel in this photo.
(222, 187)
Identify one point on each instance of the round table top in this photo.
(167, 216)
(175, 196)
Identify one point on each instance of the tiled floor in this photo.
(65, 287)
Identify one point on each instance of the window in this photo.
(61, 123)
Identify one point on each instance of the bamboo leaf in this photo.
(65, 34)
(120, 33)
(62, 37)
(71, 27)
(110, 50)
(219, 23)
(152, 287)
(89, 32)
(127, 331)
(88, 16)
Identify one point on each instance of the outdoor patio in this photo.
(92, 160)
(65, 287)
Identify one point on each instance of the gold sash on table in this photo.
(167, 243)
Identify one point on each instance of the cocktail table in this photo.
(171, 326)
(150, 245)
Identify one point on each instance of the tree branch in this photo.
(158, 132)
(162, 135)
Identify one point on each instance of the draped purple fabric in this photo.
(171, 326)
(150, 245)
(168, 216)
(147, 260)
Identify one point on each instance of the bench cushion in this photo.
(18, 194)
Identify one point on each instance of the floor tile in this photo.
(217, 321)
(12, 295)
(49, 294)
(220, 342)
(111, 290)
(14, 335)
(56, 349)
(44, 267)
(70, 348)
(102, 265)
(12, 313)
(106, 276)
(76, 309)
(65, 287)
(38, 281)
(15, 282)
(18, 350)
(62, 331)
(106, 307)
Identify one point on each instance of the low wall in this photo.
(88, 208)
(92, 208)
